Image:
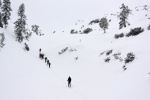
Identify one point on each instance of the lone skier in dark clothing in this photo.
(69, 81)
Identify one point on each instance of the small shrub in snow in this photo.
(116, 55)
(148, 27)
(2, 39)
(109, 52)
(35, 28)
(116, 36)
(94, 21)
(145, 7)
(135, 31)
(124, 69)
(76, 58)
(119, 35)
(73, 31)
(71, 50)
(82, 26)
(130, 57)
(120, 59)
(63, 50)
(102, 53)
(104, 24)
(88, 30)
(107, 59)
(26, 47)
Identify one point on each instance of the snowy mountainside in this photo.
(143, 15)
(24, 76)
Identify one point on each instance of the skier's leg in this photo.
(69, 84)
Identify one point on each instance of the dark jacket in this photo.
(69, 79)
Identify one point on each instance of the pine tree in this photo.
(104, 24)
(123, 16)
(6, 11)
(20, 24)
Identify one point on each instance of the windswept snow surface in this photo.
(24, 76)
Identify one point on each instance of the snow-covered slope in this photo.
(54, 15)
(24, 76)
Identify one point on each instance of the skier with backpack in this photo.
(69, 81)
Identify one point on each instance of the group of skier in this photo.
(47, 61)
(41, 55)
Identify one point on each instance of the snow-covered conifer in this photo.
(6, 8)
(104, 24)
(123, 16)
(20, 24)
